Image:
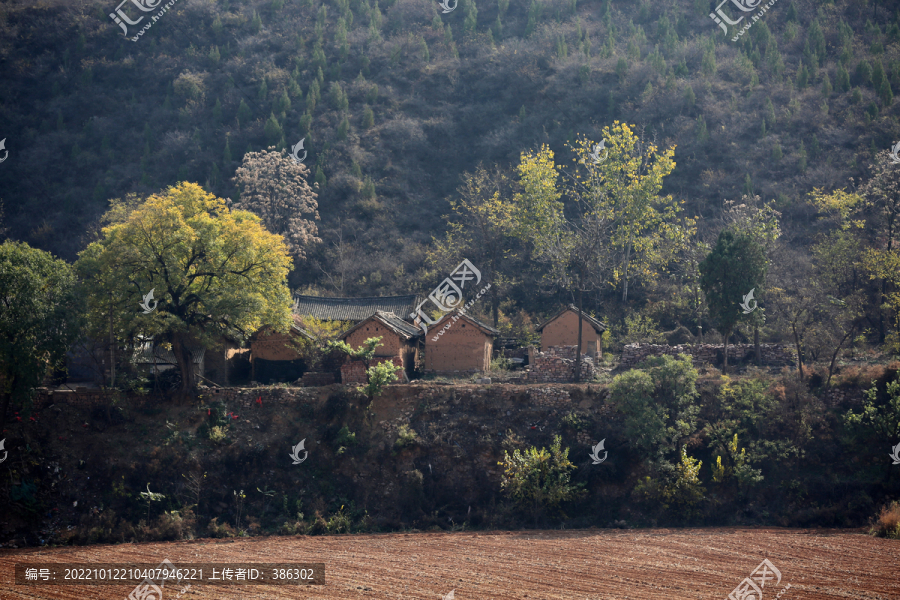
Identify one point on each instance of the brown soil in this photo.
(650, 564)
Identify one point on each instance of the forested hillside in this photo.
(397, 101)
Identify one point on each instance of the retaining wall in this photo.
(770, 354)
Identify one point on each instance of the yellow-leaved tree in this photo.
(213, 272)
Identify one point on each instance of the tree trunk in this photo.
(580, 325)
(6, 401)
(799, 350)
(836, 351)
(725, 346)
(756, 345)
(495, 306)
(112, 348)
(185, 364)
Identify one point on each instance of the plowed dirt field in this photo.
(654, 564)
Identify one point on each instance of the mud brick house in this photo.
(399, 339)
(275, 356)
(459, 346)
(150, 359)
(562, 330)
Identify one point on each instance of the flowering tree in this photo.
(274, 187)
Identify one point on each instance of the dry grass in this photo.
(887, 524)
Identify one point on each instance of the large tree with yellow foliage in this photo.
(214, 272)
(606, 223)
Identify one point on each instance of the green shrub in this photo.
(539, 479)
(339, 522)
(406, 437)
(657, 403)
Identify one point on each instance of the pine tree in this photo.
(226, 154)
(214, 55)
(244, 114)
(885, 93)
(702, 133)
(877, 74)
(343, 129)
(263, 92)
(282, 103)
(776, 152)
(320, 177)
(217, 112)
(801, 157)
(425, 54)
(843, 79)
(273, 130)
(368, 118)
(471, 17)
(802, 77)
(255, 24)
(826, 85)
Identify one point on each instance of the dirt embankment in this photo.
(420, 456)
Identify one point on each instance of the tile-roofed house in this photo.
(399, 339)
(352, 309)
(562, 330)
(459, 343)
(275, 357)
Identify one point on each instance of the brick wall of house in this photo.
(274, 346)
(393, 346)
(462, 348)
(563, 331)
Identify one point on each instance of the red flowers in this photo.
(259, 400)
(208, 412)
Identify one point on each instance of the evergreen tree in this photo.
(320, 177)
(368, 118)
(343, 129)
(255, 23)
(273, 130)
(843, 79)
(471, 17)
(243, 114)
(826, 85)
(802, 77)
(226, 154)
(263, 92)
(217, 112)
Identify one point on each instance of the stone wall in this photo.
(771, 354)
(311, 379)
(557, 365)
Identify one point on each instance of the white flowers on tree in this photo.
(273, 186)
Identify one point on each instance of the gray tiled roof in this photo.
(352, 309)
(144, 355)
(392, 322)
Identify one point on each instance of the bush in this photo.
(338, 522)
(406, 437)
(887, 524)
(217, 530)
(657, 401)
(218, 434)
(539, 478)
